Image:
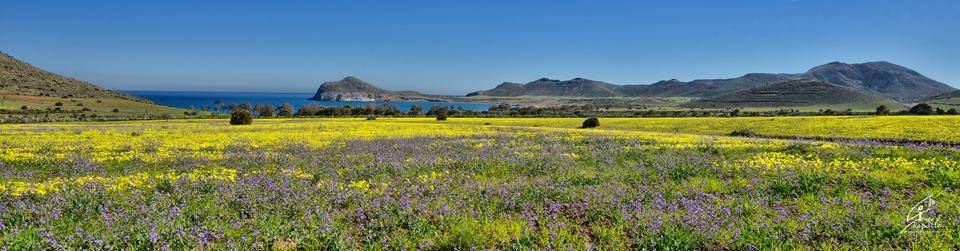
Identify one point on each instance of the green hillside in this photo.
(29, 92)
(800, 94)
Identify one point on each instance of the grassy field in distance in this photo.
(96, 106)
(918, 128)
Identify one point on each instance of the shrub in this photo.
(743, 133)
(881, 110)
(921, 109)
(286, 110)
(415, 110)
(952, 111)
(86, 109)
(591, 123)
(440, 111)
(116, 110)
(58, 104)
(25, 108)
(371, 118)
(265, 111)
(241, 117)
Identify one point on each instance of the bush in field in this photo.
(264, 111)
(591, 123)
(743, 133)
(921, 109)
(24, 108)
(371, 118)
(882, 110)
(440, 111)
(58, 104)
(952, 111)
(241, 117)
(415, 110)
(286, 110)
(116, 110)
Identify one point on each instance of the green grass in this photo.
(920, 128)
(97, 106)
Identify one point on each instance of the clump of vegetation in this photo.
(440, 111)
(922, 109)
(286, 110)
(371, 118)
(265, 111)
(743, 133)
(116, 110)
(241, 117)
(58, 104)
(591, 123)
(24, 108)
(882, 110)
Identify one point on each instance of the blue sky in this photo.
(453, 47)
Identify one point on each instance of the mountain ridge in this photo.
(880, 77)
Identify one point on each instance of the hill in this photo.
(950, 98)
(797, 93)
(353, 89)
(880, 78)
(577, 87)
(49, 95)
(20, 78)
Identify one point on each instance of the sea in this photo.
(196, 100)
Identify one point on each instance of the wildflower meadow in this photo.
(420, 184)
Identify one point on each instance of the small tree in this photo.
(940, 111)
(265, 111)
(241, 117)
(442, 114)
(882, 110)
(921, 109)
(58, 104)
(116, 110)
(24, 108)
(415, 110)
(286, 110)
(440, 111)
(591, 123)
(952, 111)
